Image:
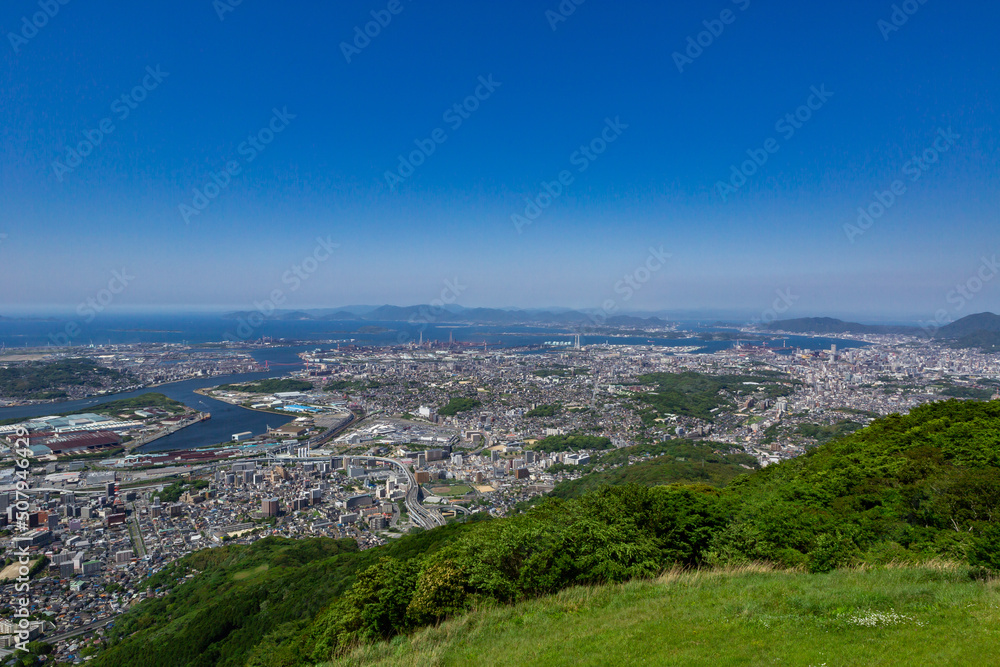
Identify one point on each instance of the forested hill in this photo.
(55, 379)
(906, 489)
(830, 325)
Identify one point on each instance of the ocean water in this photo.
(109, 329)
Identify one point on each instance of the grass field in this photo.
(454, 490)
(260, 569)
(917, 616)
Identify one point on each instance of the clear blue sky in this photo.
(324, 173)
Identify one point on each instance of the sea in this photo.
(300, 335)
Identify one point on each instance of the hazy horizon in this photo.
(730, 316)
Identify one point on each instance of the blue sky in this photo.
(343, 125)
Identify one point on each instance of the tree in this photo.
(440, 593)
(986, 549)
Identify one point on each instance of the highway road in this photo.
(423, 517)
(78, 631)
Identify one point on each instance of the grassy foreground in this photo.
(914, 616)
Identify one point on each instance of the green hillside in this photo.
(906, 490)
(699, 395)
(269, 386)
(458, 404)
(566, 443)
(48, 380)
(679, 461)
(918, 616)
(238, 595)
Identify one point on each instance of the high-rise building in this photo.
(269, 506)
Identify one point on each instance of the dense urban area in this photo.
(383, 441)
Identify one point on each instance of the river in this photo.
(226, 420)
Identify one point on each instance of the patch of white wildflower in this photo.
(875, 619)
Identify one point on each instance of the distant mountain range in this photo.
(459, 315)
(981, 330)
(829, 325)
(28, 319)
(971, 324)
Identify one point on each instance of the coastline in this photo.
(202, 392)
